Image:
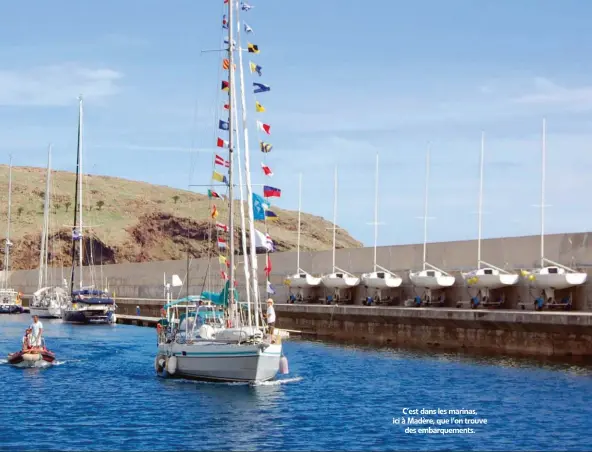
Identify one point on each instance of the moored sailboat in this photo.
(48, 301)
(87, 304)
(10, 301)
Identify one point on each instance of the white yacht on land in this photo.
(430, 277)
(486, 277)
(338, 278)
(551, 276)
(380, 278)
(233, 345)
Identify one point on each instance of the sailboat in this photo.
(87, 304)
(237, 349)
(430, 277)
(47, 301)
(338, 278)
(10, 302)
(486, 276)
(301, 279)
(380, 277)
(554, 276)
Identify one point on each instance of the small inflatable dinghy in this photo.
(31, 358)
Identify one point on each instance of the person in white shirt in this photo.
(37, 331)
(270, 316)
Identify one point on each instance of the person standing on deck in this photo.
(270, 317)
(37, 332)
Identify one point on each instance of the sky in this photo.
(349, 80)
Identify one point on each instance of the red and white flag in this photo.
(221, 243)
(222, 143)
(221, 227)
(220, 161)
(223, 275)
(266, 169)
(265, 127)
(268, 266)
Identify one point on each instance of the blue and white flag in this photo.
(223, 125)
(259, 207)
(226, 41)
(247, 28)
(270, 288)
(245, 6)
(260, 87)
(76, 235)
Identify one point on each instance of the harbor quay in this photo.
(512, 328)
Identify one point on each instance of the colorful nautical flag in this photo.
(213, 194)
(220, 161)
(245, 6)
(265, 147)
(223, 275)
(222, 259)
(268, 266)
(269, 242)
(226, 106)
(224, 22)
(226, 41)
(247, 28)
(266, 169)
(270, 215)
(264, 127)
(221, 227)
(255, 68)
(214, 213)
(225, 64)
(260, 88)
(221, 243)
(270, 192)
(224, 85)
(219, 177)
(259, 207)
(252, 48)
(75, 235)
(270, 288)
(222, 143)
(259, 108)
(223, 125)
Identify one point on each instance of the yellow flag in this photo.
(222, 260)
(218, 176)
(259, 108)
(252, 48)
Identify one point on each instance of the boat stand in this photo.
(427, 299)
(483, 298)
(547, 299)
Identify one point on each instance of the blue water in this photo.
(103, 395)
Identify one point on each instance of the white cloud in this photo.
(56, 85)
(547, 92)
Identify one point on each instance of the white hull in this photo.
(558, 281)
(46, 313)
(303, 280)
(340, 281)
(373, 281)
(211, 360)
(431, 280)
(488, 278)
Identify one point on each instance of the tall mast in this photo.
(375, 211)
(334, 217)
(242, 205)
(230, 155)
(543, 176)
(480, 199)
(43, 252)
(81, 244)
(247, 159)
(77, 197)
(425, 209)
(299, 210)
(8, 244)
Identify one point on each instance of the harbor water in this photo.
(103, 395)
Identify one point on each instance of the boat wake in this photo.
(277, 382)
(3, 361)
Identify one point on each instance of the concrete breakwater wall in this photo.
(558, 335)
(145, 280)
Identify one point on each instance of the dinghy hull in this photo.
(431, 282)
(558, 281)
(303, 280)
(31, 359)
(340, 281)
(374, 281)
